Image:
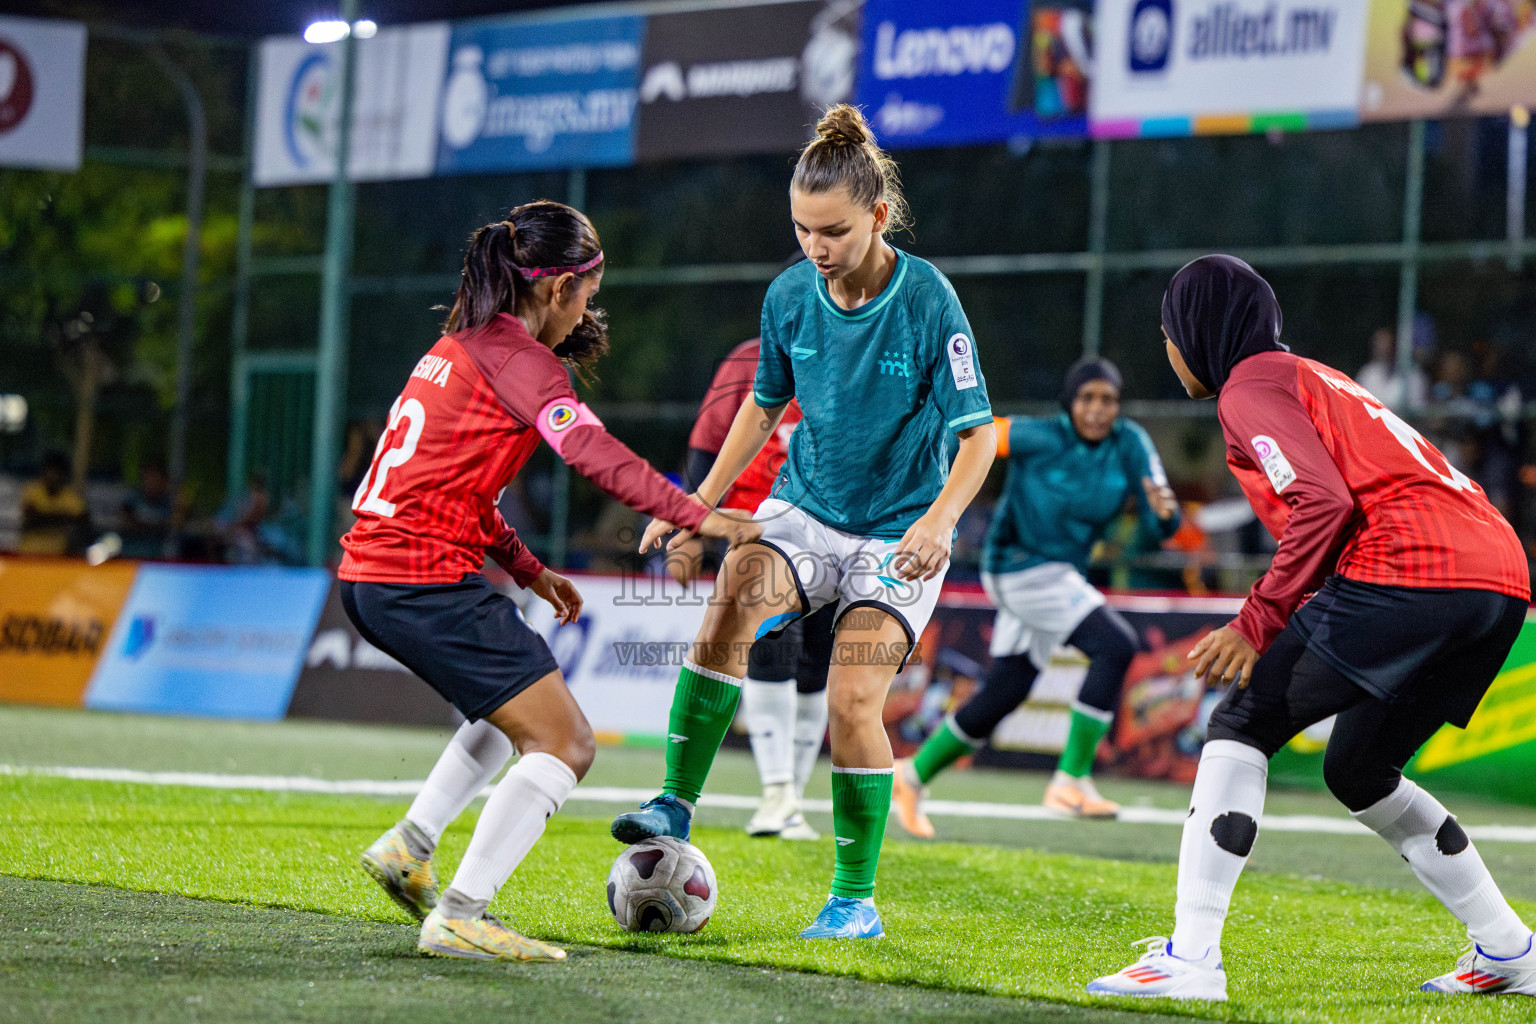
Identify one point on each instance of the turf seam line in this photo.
(1315, 823)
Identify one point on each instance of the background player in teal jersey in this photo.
(1069, 476)
(874, 346)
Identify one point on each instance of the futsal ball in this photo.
(662, 885)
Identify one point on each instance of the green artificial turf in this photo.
(78, 953)
(976, 919)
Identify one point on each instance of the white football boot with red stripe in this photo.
(1161, 974)
(1477, 973)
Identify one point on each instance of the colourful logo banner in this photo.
(1205, 67)
(1448, 58)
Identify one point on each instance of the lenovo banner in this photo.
(974, 71)
(394, 107)
(1199, 67)
(743, 79)
(42, 93)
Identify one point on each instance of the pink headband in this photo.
(529, 273)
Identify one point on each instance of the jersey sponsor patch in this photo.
(1276, 466)
(962, 362)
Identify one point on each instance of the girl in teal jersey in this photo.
(1069, 475)
(873, 344)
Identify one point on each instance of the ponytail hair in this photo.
(844, 155)
(504, 259)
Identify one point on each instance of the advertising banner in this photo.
(55, 616)
(1204, 67)
(42, 93)
(219, 641)
(347, 679)
(1447, 58)
(394, 107)
(1160, 726)
(554, 94)
(743, 79)
(621, 657)
(973, 71)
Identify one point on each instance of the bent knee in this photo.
(576, 748)
(1358, 786)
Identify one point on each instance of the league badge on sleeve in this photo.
(1276, 466)
(560, 416)
(962, 362)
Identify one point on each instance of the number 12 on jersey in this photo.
(370, 499)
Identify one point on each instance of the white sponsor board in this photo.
(42, 93)
(1163, 65)
(394, 107)
(621, 657)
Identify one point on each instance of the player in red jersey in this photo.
(783, 695)
(1418, 589)
(472, 412)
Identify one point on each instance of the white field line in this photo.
(620, 795)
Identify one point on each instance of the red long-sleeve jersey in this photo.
(469, 417)
(731, 386)
(1347, 487)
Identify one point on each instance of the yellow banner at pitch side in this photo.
(55, 617)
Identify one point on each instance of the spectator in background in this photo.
(53, 513)
(1381, 378)
(151, 515)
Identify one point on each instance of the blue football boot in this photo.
(663, 816)
(845, 918)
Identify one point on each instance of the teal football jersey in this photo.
(881, 387)
(1061, 493)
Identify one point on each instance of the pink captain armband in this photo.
(558, 418)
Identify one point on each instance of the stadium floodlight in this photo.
(365, 29)
(332, 31)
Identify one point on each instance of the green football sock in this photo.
(702, 709)
(1082, 742)
(860, 802)
(939, 751)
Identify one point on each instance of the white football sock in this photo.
(770, 712)
(1224, 811)
(474, 756)
(810, 730)
(513, 820)
(1435, 846)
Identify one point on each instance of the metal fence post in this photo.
(1408, 269)
(1098, 231)
(560, 475)
(335, 302)
(240, 316)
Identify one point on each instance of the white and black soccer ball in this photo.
(662, 885)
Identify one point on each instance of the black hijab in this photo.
(1218, 311)
(1088, 368)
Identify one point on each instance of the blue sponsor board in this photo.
(219, 641)
(975, 71)
(523, 96)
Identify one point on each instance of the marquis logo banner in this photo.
(745, 79)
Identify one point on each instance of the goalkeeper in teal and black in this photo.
(874, 346)
(1069, 476)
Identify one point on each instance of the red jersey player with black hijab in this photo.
(472, 412)
(1418, 588)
